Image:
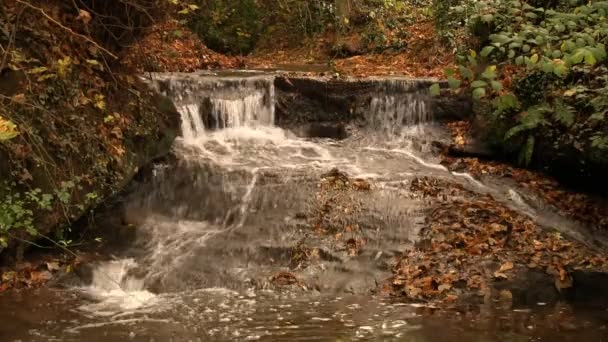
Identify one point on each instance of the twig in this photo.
(66, 28)
(11, 40)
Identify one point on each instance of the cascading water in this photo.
(237, 176)
(236, 206)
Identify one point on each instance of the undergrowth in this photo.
(539, 76)
(74, 127)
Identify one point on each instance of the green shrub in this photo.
(543, 71)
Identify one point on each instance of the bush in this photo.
(231, 27)
(544, 73)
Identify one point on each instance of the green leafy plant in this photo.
(542, 71)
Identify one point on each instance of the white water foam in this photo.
(115, 290)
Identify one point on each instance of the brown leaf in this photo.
(500, 275)
(506, 266)
(84, 16)
(444, 287)
(19, 98)
(53, 266)
(39, 277)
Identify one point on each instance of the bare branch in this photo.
(11, 39)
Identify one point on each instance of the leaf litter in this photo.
(470, 242)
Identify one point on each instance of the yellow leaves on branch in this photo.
(99, 102)
(8, 130)
(63, 67)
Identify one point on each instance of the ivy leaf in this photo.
(465, 72)
(500, 38)
(599, 52)
(479, 93)
(497, 86)
(487, 18)
(534, 58)
(489, 73)
(560, 68)
(454, 83)
(531, 15)
(435, 90)
(578, 56)
(486, 51)
(590, 58)
(479, 84)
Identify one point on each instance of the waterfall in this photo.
(248, 111)
(391, 112)
(208, 102)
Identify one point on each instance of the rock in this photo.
(329, 130)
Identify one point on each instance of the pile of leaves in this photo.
(588, 209)
(540, 78)
(425, 56)
(169, 47)
(336, 209)
(471, 242)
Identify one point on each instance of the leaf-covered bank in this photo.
(75, 125)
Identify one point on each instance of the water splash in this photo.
(115, 290)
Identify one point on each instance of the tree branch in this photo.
(66, 28)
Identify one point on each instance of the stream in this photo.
(211, 228)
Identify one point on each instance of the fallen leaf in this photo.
(39, 277)
(8, 276)
(19, 98)
(53, 266)
(506, 267)
(500, 275)
(444, 287)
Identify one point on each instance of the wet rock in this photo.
(452, 108)
(329, 130)
(285, 279)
